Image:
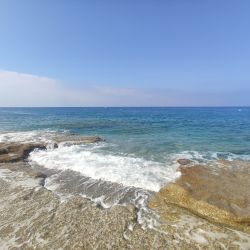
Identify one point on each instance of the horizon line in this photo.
(223, 106)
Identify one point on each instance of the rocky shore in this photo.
(206, 208)
(218, 193)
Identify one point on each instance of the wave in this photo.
(126, 170)
(207, 157)
(43, 136)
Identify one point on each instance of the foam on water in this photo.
(27, 136)
(206, 157)
(104, 194)
(126, 170)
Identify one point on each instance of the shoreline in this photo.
(47, 222)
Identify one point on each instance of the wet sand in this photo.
(34, 217)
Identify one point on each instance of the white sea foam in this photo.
(206, 157)
(127, 170)
(28, 136)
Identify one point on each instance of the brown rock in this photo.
(3, 151)
(14, 152)
(219, 194)
(76, 140)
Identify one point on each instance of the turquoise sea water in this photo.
(145, 132)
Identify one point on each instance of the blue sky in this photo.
(126, 53)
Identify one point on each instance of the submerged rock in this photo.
(220, 194)
(184, 161)
(76, 139)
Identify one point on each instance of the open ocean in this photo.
(140, 149)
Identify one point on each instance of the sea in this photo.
(139, 151)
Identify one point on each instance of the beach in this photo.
(34, 217)
(73, 190)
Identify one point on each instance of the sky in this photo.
(124, 53)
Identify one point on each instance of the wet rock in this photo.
(20, 168)
(13, 152)
(18, 152)
(184, 161)
(219, 194)
(3, 151)
(35, 218)
(77, 140)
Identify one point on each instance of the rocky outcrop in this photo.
(219, 194)
(76, 140)
(14, 152)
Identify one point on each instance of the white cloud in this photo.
(18, 89)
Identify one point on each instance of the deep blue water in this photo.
(146, 132)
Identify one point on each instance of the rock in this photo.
(3, 151)
(219, 194)
(77, 140)
(13, 155)
(14, 152)
(184, 161)
(17, 152)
